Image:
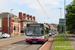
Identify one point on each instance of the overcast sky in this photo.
(33, 8)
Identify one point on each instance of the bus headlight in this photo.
(43, 39)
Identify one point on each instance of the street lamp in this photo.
(65, 16)
(11, 22)
(60, 12)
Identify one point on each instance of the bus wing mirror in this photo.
(45, 29)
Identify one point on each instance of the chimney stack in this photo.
(28, 16)
(24, 14)
(20, 15)
(31, 17)
(34, 18)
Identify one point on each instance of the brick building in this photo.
(14, 25)
(12, 21)
(53, 27)
(25, 18)
(48, 26)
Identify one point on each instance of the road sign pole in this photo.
(62, 22)
(61, 34)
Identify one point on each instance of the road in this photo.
(23, 46)
(11, 38)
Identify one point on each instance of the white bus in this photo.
(37, 32)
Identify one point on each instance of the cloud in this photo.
(45, 4)
(1, 2)
(53, 16)
(19, 10)
(33, 7)
(25, 1)
(50, 2)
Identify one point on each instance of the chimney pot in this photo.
(20, 15)
(27, 15)
(24, 14)
(34, 18)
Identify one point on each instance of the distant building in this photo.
(48, 26)
(53, 27)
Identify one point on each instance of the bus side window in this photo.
(47, 31)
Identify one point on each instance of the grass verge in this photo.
(64, 45)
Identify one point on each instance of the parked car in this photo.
(6, 35)
(55, 32)
(52, 33)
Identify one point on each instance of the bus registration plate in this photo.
(34, 41)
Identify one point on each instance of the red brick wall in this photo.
(48, 25)
(20, 15)
(21, 25)
(5, 25)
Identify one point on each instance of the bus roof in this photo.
(35, 23)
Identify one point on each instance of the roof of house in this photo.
(5, 15)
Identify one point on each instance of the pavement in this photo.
(72, 40)
(48, 44)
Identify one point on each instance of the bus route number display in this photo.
(34, 25)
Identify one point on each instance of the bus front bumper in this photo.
(36, 41)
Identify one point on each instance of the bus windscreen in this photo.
(35, 30)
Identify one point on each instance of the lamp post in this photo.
(60, 12)
(60, 18)
(65, 16)
(11, 22)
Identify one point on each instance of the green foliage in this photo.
(58, 28)
(70, 17)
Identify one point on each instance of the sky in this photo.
(32, 7)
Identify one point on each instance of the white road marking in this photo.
(11, 48)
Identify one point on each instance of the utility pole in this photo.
(11, 22)
(65, 16)
(8, 23)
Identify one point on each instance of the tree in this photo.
(70, 17)
(58, 28)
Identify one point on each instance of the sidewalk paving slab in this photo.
(72, 40)
(48, 44)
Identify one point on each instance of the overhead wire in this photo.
(43, 9)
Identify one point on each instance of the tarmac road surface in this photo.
(23, 46)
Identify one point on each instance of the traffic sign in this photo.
(62, 22)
